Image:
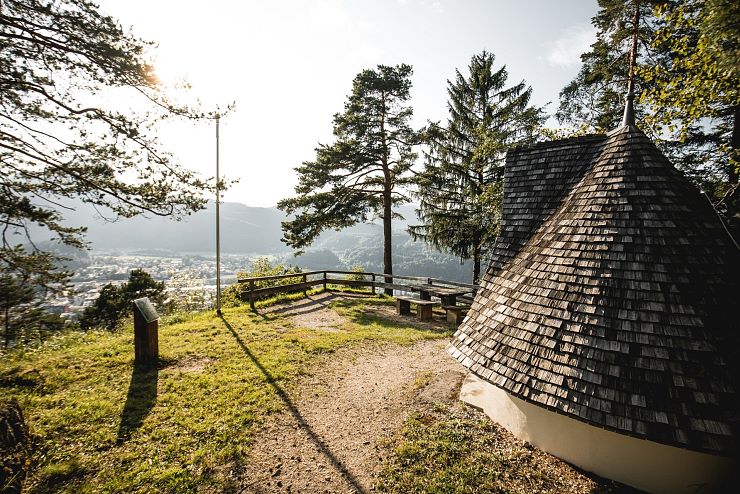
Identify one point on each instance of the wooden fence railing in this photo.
(374, 281)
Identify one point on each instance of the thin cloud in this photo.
(566, 51)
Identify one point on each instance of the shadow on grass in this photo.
(364, 318)
(305, 426)
(141, 397)
(16, 379)
(313, 303)
(56, 475)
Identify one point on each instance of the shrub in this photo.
(235, 294)
(357, 268)
(115, 301)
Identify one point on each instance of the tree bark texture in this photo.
(476, 264)
(13, 447)
(735, 143)
(387, 237)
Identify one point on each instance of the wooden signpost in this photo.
(146, 332)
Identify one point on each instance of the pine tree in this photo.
(674, 75)
(363, 173)
(460, 188)
(697, 95)
(63, 137)
(595, 98)
(21, 290)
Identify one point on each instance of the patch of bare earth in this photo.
(323, 319)
(314, 311)
(191, 363)
(312, 303)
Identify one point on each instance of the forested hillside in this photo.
(256, 231)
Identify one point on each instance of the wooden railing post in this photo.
(415, 283)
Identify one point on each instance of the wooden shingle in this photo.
(610, 296)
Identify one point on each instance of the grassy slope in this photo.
(182, 430)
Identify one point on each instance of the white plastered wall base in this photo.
(643, 464)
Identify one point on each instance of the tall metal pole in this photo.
(218, 225)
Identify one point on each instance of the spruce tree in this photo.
(363, 173)
(460, 187)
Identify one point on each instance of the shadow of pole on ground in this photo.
(320, 444)
(140, 399)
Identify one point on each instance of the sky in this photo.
(288, 65)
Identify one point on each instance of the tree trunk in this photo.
(387, 259)
(387, 200)
(735, 143)
(7, 327)
(476, 268)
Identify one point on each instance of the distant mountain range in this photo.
(244, 229)
(256, 231)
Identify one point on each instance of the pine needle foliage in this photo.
(79, 101)
(595, 97)
(459, 190)
(686, 83)
(363, 174)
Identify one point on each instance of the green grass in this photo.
(443, 456)
(441, 451)
(101, 425)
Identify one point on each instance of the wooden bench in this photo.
(423, 307)
(455, 313)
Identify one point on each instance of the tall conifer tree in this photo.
(697, 96)
(686, 85)
(595, 98)
(460, 188)
(363, 173)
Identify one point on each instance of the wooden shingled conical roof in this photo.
(612, 295)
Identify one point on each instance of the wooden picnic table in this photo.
(448, 295)
(423, 307)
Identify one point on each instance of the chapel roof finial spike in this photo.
(629, 107)
(629, 100)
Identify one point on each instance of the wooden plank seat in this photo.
(423, 307)
(456, 313)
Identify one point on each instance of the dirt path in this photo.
(330, 437)
(340, 424)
